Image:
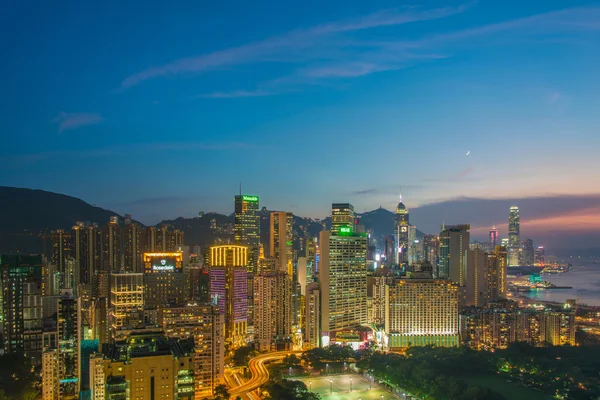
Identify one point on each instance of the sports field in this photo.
(339, 388)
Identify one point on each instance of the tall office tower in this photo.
(379, 288)
(454, 242)
(496, 270)
(111, 245)
(126, 301)
(149, 240)
(431, 249)
(494, 238)
(22, 280)
(343, 278)
(60, 363)
(342, 215)
(163, 279)
(539, 256)
(247, 224)
(58, 248)
(145, 365)
(312, 319)
(281, 240)
(272, 311)
(477, 278)
(205, 324)
(304, 270)
(401, 232)
(132, 248)
(514, 236)
(229, 289)
(527, 253)
(423, 312)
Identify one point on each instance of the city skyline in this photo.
(376, 78)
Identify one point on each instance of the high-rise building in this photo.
(431, 249)
(281, 240)
(527, 253)
(60, 362)
(126, 301)
(454, 242)
(539, 255)
(111, 245)
(205, 324)
(312, 316)
(559, 327)
(247, 225)
(342, 215)
(229, 289)
(343, 278)
(379, 287)
(272, 311)
(496, 270)
(145, 365)
(87, 250)
(493, 238)
(401, 233)
(22, 281)
(477, 278)
(514, 236)
(132, 248)
(58, 248)
(163, 279)
(423, 312)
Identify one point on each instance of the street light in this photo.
(330, 386)
(290, 371)
(310, 385)
(350, 384)
(327, 368)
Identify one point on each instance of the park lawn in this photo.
(510, 390)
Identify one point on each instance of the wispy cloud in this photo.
(299, 40)
(68, 121)
(237, 94)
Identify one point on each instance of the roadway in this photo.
(260, 374)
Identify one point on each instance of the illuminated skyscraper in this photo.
(312, 316)
(539, 255)
(527, 253)
(132, 248)
(126, 301)
(423, 312)
(281, 240)
(496, 270)
(477, 277)
(493, 238)
(514, 236)
(402, 233)
(247, 221)
(229, 289)
(343, 279)
(21, 282)
(272, 310)
(342, 214)
(163, 279)
(454, 242)
(87, 250)
(58, 248)
(111, 245)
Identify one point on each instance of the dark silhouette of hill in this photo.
(26, 213)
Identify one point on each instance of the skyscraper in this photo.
(514, 236)
(312, 316)
(423, 312)
(126, 301)
(87, 250)
(431, 249)
(343, 278)
(402, 233)
(58, 248)
(539, 255)
(132, 248)
(454, 242)
(281, 240)
(342, 214)
(229, 289)
(493, 238)
(247, 222)
(272, 310)
(527, 253)
(21, 281)
(163, 279)
(477, 277)
(496, 270)
(111, 245)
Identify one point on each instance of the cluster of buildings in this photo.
(127, 312)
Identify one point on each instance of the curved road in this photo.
(260, 374)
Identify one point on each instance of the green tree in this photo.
(243, 355)
(221, 392)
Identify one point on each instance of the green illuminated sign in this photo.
(345, 230)
(253, 199)
(288, 243)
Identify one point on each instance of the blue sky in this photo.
(162, 110)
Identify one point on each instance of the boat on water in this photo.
(557, 269)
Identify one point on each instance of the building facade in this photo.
(163, 279)
(272, 310)
(514, 236)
